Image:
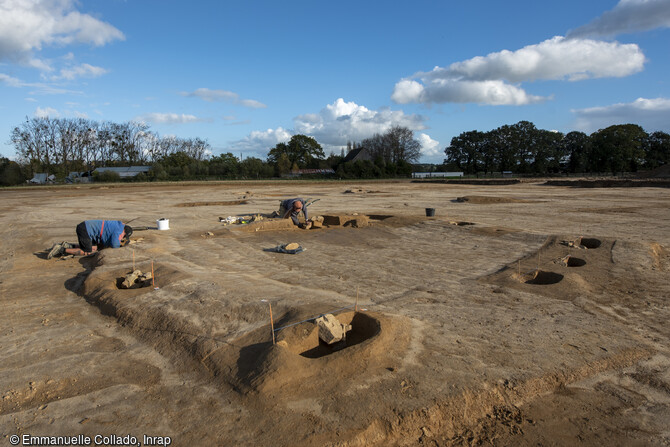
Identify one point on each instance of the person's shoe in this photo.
(57, 249)
(67, 244)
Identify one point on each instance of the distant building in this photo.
(358, 154)
(126, 172)
(436, 174)
(79, 177)
(41, 179)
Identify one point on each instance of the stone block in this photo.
(331, 330)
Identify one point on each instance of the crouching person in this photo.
(292, 208)
(94, 235)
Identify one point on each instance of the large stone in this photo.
(135, 280)
(331, 330)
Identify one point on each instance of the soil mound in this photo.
(224, 203)
(103, 286)
(660, 172)
(611, 183)
(563, 268)
(300, 360)
(484, 200)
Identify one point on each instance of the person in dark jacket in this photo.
(94, 235)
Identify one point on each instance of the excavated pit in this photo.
(363, 327)
(298, 363)
(571, 261)
(540, 278)
(304, 338)
(590, 242)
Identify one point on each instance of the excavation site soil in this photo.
(521, 314)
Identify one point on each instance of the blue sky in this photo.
(246, 75)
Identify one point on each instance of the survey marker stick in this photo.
(356, 307)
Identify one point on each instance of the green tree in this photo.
(301, 150)
(466, 151)
(177, 159)
(618, 148)
(283, 165)
(549, 153)
(252, 167)
(657, 150)
(396, 144)
(10, 173)
(576, 146)
(224, 165)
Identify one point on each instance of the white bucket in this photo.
(163, 224)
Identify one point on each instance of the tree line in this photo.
(524, 149)
(61, 145)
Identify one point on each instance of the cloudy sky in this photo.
(246, 75)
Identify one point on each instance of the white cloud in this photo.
(342, 121)
(40, 88)
(651, 114)
(252, 103)
(40, 64)
(429, 147)
(46, 112)
(169, 118)
(334, 126)
(11, 81)
(628, 16)
(258, 143)
(490, 79)
(83, 70)
(29, 25)
(223, 96)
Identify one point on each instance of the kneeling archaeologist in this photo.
(94, 235)
(292, 208)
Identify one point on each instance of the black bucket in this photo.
(430, 212)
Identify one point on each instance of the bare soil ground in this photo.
(526, 315)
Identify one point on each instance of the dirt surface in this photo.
(531, 315)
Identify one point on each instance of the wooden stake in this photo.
(134, 260)
(153, 282)
(272, 324)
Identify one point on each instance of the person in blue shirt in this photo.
(94, 235)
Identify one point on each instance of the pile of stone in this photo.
(136, 279)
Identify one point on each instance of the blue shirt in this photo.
(104, 233)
